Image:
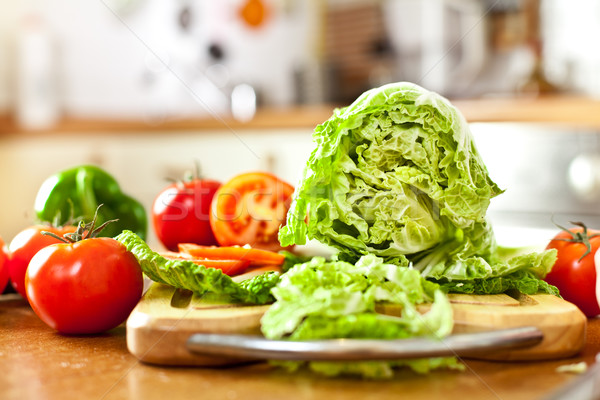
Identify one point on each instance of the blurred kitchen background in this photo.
(145, 88)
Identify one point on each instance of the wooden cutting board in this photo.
(158, 328)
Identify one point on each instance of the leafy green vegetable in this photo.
(197, 278)
(523, 281)
(397, 174)
(292, 259)
(323, 299)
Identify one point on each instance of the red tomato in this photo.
(3, 265)
(249, 209)
(24, 246)
(574, 273)
(180, 213)
(84, 287)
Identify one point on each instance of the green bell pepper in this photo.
(77, 192)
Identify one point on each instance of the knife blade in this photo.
(260, 348)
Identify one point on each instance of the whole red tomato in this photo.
(3, 265)
(24, 246)
(180, 213)
(89, 286)
(249, 209)
(574, 273)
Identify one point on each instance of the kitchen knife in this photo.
(465, 344)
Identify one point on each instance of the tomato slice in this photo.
(249, 209)
(256, 257)
(229, 267)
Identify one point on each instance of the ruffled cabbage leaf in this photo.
(397, 174)
(184, 274)
(322, 299)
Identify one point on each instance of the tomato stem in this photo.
(83, 231)
(582, 237)
(55, 236)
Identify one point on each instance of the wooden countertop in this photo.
(265, 119)
(575, 111)
(38, 363)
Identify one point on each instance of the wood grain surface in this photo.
(37, 363)
(572, 111)
(157, 330)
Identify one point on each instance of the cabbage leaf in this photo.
(185, 274)
(397, 174)
(322, 299)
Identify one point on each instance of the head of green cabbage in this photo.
(397, 174)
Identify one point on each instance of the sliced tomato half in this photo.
(249, 209)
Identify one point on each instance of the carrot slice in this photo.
(254, 256)
(229, 267)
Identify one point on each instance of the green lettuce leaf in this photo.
(523, 281)
(323, 299)
(397, 174)
(197, 278)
